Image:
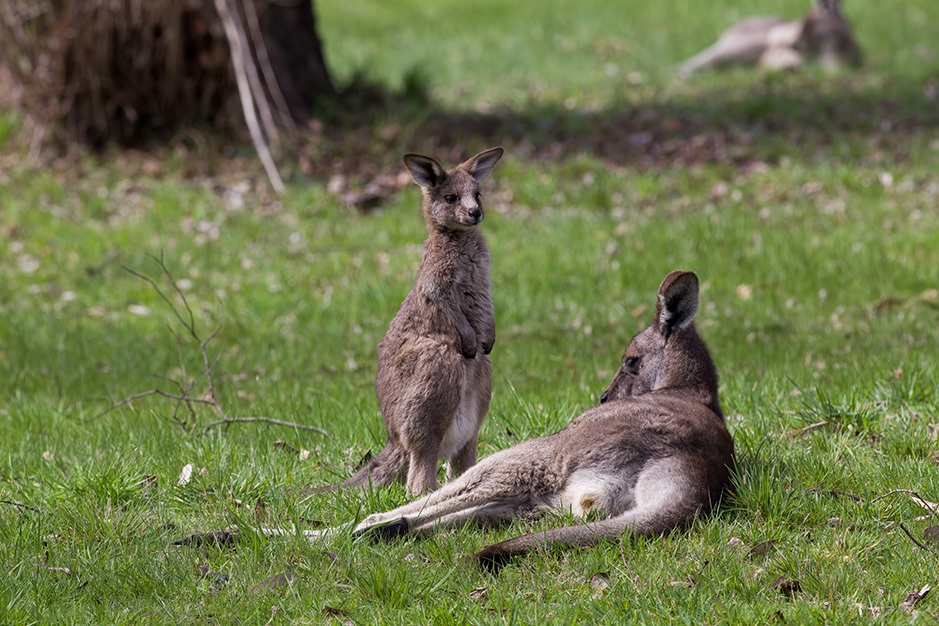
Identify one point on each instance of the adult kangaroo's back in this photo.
(434, 379)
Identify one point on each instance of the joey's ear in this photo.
(481, 165)
(830, 6)
(425, 171)
(678, 302)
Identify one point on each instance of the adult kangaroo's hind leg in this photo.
(668, 494)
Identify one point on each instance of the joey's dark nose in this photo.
(476, 215)
(603, 397)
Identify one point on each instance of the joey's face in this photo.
(642, 367)
(451, 197)
(455, 202)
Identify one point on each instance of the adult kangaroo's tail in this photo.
(495, 556)
(633, 523)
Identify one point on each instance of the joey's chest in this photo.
(458, 272)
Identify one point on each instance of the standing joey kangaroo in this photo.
(434, 377)
(824, 35)
(653, 455)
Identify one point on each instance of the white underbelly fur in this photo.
(465, 425)
(586, 490)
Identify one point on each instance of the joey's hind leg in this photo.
(422, 471)
(419, 391)
(460, 442)
(464, 459)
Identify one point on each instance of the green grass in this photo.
(806, 204)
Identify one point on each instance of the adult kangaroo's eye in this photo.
(632, 363)
(450, 198)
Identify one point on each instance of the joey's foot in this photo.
(389, 530)
(218, 538)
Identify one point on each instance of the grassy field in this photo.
(805, 203)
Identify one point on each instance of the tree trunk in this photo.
(121, 70)
(295, 53)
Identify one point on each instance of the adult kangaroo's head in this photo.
(827, 36)
(669, 354)
(451, 197)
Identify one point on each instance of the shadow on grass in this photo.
(744, 121)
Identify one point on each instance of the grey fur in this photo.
(434, 377)
(654, 454)
(823, 36)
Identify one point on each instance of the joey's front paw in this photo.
(487, 347)
(468, 347)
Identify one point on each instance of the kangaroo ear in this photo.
(829, 6)
(425, 171)
(481, 165)
(678, 302)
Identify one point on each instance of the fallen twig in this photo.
(805, 429)
(268, 420)
(930, 507)
(20, 505)
(918, 543)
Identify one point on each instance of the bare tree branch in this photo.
(186, 386)
(270, 79)
(248, 101)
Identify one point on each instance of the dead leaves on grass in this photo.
(277, 581)
(760, 550)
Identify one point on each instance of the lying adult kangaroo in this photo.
(824, 36)
(653, 455)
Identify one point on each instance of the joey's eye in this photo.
(450, 198)
(478, 198)
(632, 363)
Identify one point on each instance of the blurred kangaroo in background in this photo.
(823, 36)
(653, 455)
(434, 379)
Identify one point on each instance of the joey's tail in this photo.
(386, 466)
(495, 556)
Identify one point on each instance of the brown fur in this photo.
(823, 36)
(654, 454)
(434, 377)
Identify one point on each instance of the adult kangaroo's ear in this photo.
(425, 171)
(481, 165)
(678, 302)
